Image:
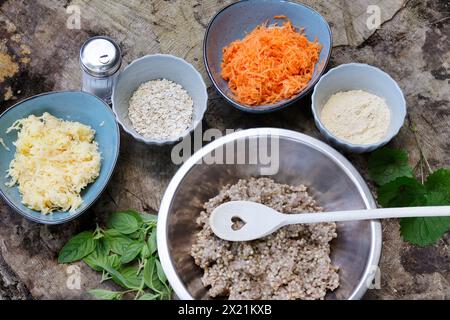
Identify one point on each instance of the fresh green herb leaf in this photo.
(151, 276)
(114, 261)
(125, 222)
(135, 214)
(137, 235)
(77, 248)
(426, 231)
(439, 181)
(133, 263)
(106, 294)
(131, 252)
(112, 233)
(152, 244)
(436, 199)
(402, 192)
(120, 279)
(389, 169)
(133, 276)
(118, 243)
(149, 296)
(98, 236)
(147, 217)
(145, 252)
(102, 246)
(96, 260)
(385, 165)
(159, 270)
(167, 293)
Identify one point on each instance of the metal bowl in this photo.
(240, 18)
(333, 181)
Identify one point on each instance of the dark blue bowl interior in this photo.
(75, 106)
(240, 18)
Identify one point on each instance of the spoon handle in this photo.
(367, 214)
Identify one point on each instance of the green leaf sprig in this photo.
(125, 253)
(397, 187)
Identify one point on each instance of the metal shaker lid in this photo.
(100, 57)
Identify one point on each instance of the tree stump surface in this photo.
(38, 53)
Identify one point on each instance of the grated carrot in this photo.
(270, 64)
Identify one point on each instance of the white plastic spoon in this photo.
(261, 220)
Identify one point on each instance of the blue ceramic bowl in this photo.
(75, 106)
(359, 76)
(238, 19)
(158, 66)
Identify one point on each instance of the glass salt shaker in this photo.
(100, 60)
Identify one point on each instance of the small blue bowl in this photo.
(238, 19)
(75, 106)
(359, 76)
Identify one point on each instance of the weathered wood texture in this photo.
(39, 53)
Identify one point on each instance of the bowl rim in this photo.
(339, 159)
(347, 144)
(136, 135)
(101, 190)
(283, 103)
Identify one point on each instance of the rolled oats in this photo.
(161, 110)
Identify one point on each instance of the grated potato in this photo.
(54, 160)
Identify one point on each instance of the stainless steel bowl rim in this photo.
(346, 166)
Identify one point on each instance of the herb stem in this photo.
(421, 170)
(423, 158)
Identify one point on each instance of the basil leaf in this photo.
(112, 233)
(136, 235)
(118, 244)
(106, 294)
(145, 252)
(166, 294)
(149, 296)
(114, 261)
(161, 275)
(135, 214)
(124, 222)
(132, 275)
(131, 252)
(150, 273)
(147, 217)
(102, 247)
(118, 278)
(77, 248)
(96, 260)
(151, 279)
(152, 245)
(98, 236)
